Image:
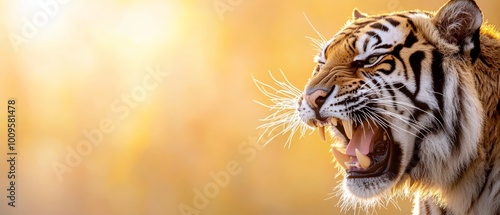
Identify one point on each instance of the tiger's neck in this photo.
(484, 170)
(479, 171)
(487, 80)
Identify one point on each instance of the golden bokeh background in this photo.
(164, 89)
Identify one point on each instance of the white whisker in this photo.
(284, 117)
(317, 32)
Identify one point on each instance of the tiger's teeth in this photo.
(321, 130)
(341, 158)
(384, 137)
(347, 128)
(363, 160)
(333, 121)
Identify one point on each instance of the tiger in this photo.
(412, 102)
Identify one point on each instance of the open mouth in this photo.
(369, 149)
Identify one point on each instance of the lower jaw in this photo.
(389, 167)
(378, 169)
(370, 185)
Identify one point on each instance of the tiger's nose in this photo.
(317, 98)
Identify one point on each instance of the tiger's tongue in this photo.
(362, 139)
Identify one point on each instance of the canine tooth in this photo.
(385, 137)
(321, 130)
(340, 157)
(363, 160)
(333, 121)
(347, 128)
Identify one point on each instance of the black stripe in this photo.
(389, 89)
(421, 109)
(474, 53)
(427, 207)
(484, 61)
(421, 106)
(372, 35)
(393, 96)
(416, 65)
(353, 44)
(415, 156)
(379, 40)
(410, 40)
(438, 77)
(403, 16)
(334, 43)
(412, 25)
(457, 125)
(375, 82)
(365, 44)
(351, 49)
(358, 25)
(392, 63)
(427, 13)
(396, 53)
(379, 26)
(383, 46)
(438, 87)
(393, 22)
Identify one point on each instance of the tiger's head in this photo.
(396, 93)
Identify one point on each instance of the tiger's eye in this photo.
(372, 60)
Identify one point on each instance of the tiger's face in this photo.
(399, 94)
(374, 87)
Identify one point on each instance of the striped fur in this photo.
(433, 80)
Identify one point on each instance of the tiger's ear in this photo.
(356, 14)
(459, 21)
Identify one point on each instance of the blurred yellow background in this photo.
(164, 91)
